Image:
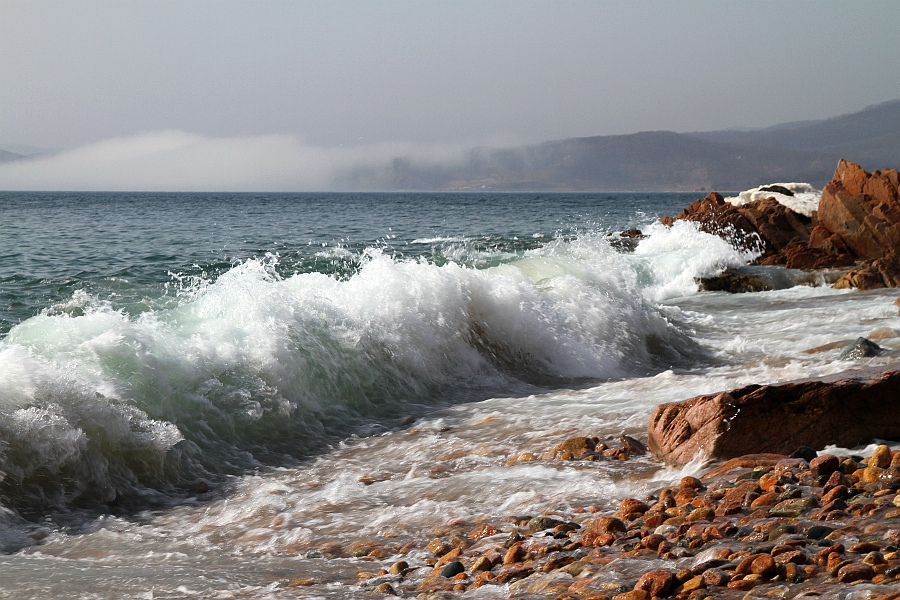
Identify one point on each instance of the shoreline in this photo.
(770, 523)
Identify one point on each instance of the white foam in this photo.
(804, 201)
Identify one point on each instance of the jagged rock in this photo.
(870, 275)
(777, 189)
(861, 348)
(858, 219)
(767, 222)
(862, 211)
(735, 282)
(845, 409)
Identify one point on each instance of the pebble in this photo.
(761, 530)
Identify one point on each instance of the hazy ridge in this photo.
(661, 160)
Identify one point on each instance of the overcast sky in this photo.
(336, 74)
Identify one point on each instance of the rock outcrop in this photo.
(858, 222)
(766, 224)
(846, 409)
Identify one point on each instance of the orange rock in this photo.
(657, 582)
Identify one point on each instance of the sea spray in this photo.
(256, 368)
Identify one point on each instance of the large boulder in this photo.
(858, 221)
(847, 409)
(765, 223)
(862, 212)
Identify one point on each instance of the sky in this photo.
(236, 92)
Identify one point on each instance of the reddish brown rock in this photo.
(845, 409)
(855, 572)
(573, 448)
(767, 222)
(631, 508)
(862, 210)
(657, 582)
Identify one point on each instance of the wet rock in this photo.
(734, 281)
(385, 588)
(845, 409)
(452, 569)
(855, 572)
(631, 508)
(398, 567)
(514, 555)
(631, 446)
(862, 210)
(861, 348)
(804, 452)
(573, 448)
(657, 582)
(482, 531)
(541, 523)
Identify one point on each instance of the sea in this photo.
(222, 395)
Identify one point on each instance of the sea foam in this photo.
(255, 368)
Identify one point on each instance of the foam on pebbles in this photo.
(775, 525)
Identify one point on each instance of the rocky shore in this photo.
(762, 525)
(779, 517)
(856, 228)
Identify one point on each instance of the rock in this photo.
(398, 567)
(765, 224)
(881, 457)
(631, 508)
(734, 281)
(541, 523)
(777, 189)
(385, 588)
(862, 210)
(716, 576)
(845, 409)
(514, 555)
(804, 452)
(632, 446)
(573, 448)
(453, 569)
(825, 465)
(861, 348)
(482, 531)
(855, 572)
(657, 582)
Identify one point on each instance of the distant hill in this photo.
(661, 160)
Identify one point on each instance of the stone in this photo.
(766, 224)
(514, 555)
(804, 452)
(453, 569)
(881, 457)
(573, 448)
(631, 508)
(764, 565)
(846, 410)
(482, 531)
(716, 576)
(398, 567)
(541, 523)
(825, 465)
(862, 210)
(385, 588)
(855, 572)
(631, 446)
(861, 348)
(657, 582)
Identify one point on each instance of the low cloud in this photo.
(180, 161)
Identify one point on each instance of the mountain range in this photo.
(731, 160)
(660, 160)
